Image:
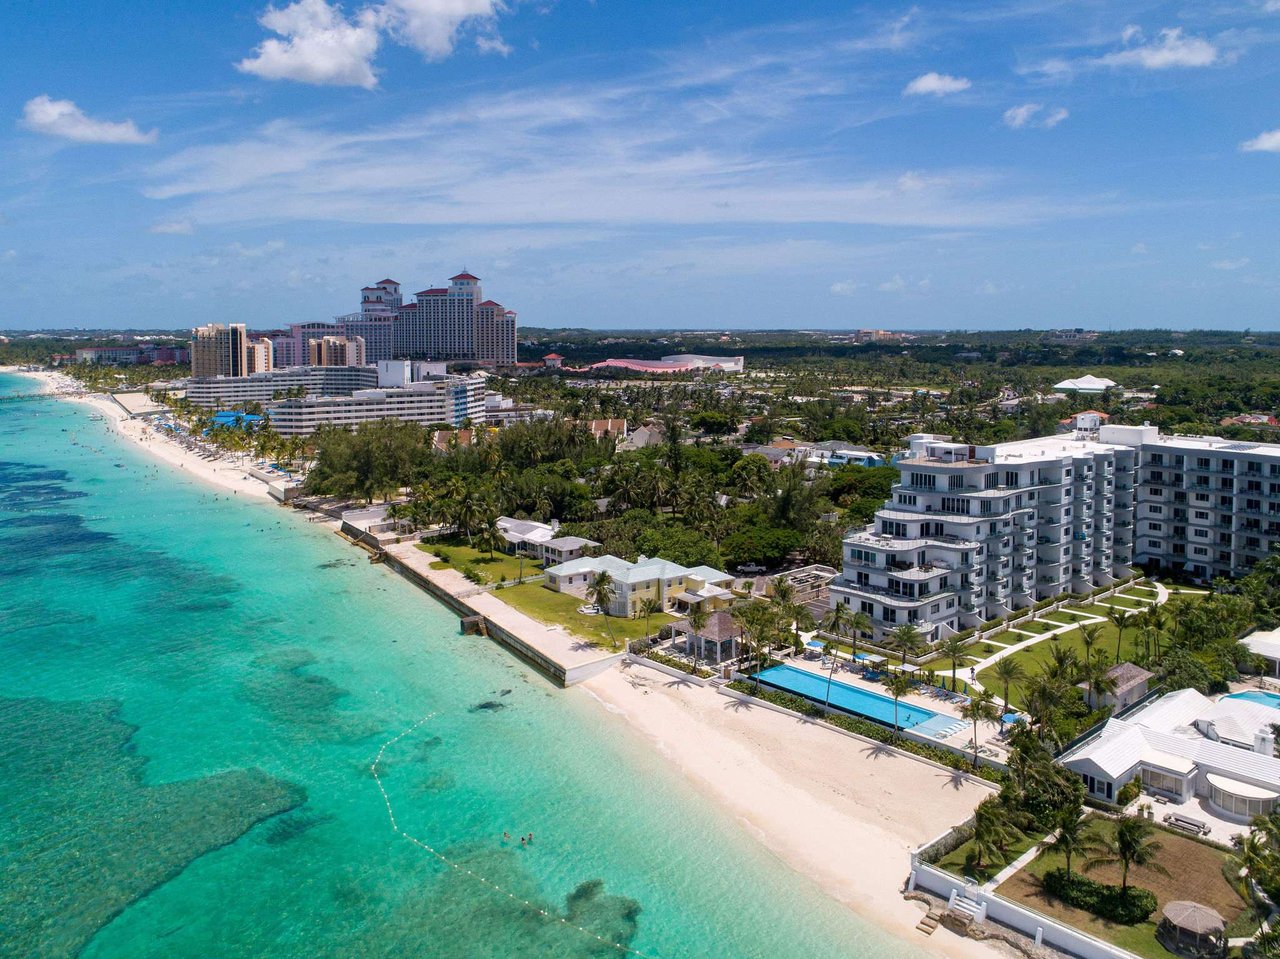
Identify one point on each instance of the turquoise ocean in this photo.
(192, 691)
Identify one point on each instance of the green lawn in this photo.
(1195, 872)
(499, 568)
(561, 609)
(954, 861)
(1032, 658)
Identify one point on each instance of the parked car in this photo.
(750, 568)
(590, 609)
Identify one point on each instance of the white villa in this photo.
(1086, 384)
(1185, 746)
(673, 585)
(542, 540)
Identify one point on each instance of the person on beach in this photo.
(506, 836)
(522, 842)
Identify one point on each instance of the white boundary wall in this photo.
(1026, 921)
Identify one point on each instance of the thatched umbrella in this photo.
(1192, 925)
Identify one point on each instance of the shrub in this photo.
(442, 555)
(674, 663)
(473, 574)
(1128, 792)
(1127, 907)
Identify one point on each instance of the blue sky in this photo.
(617, 164)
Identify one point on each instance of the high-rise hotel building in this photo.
(972, 533)
(218, 350)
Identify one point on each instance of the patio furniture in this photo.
(1186, 823)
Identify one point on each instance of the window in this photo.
(955, 481)
(1155, 509)
(990, 480)
(1200, 533)
(924, 480)
(1155, 527)
(1161, 781)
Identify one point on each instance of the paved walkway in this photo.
(1080, 619)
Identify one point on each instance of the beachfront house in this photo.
(674, 586)
(1188, 749)
(542, 541)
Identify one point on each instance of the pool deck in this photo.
(961, 740)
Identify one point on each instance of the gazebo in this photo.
(721, 632)
(1190, 929)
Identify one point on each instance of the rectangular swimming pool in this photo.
(850, 699)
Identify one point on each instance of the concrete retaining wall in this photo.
(1026, 921)
(664, 668)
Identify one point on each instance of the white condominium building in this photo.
(218, 391)
(972, 533)
(441, 399)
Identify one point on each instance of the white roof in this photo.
(1086, 384)
(625, 572)
(1264, 643)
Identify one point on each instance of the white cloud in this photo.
(1170, 49)
(432, 26)
(1029, 115)
(62, 118)
(935, 84)
(1138, 249)
(175, 228)
(1018, 117)
(320, 46)
(989, 288)
(1237, 264)
(845, 287)
(895, 284)
(1268, 142)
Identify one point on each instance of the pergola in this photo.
(1192, 929)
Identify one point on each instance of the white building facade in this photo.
(454, 400)
(213, 392)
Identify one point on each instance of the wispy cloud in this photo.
(174, 228)
(1031, 115)
(1268, 142)
(935, 84)
(1169, 50)
(65, 120)
(846, 287)
(320, 44)
(1239, 263)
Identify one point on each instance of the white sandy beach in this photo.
(223, 474)
(834, 809)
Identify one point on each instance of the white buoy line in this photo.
(458, 867)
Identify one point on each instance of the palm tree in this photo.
(1008, 671)
(651, 605)
(1119, 619)
(981, 707)
(953, 648)
(788, 610)
(1089, 636)
(992, 832)
(698, 618)
(906, 639)
(600, 590)
(1063, 664)
(1098, 675)
(1071, 839)
(1130, 844)
(490, 538)
(897, 685)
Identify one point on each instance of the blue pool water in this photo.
(849, 698)
(1257, 696)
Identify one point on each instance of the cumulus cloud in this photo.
(935, 84)
(320, 45)
(845, 287)
(1169, 50)
(1237, 264)
(62, 118)
(895, 284)
(1055, 117)
(432, 27)
(175, 228)
(1268, 142)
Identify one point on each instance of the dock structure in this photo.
(553, 650)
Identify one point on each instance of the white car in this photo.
(750, 568)
(591, 609)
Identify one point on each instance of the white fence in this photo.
(1030, 923)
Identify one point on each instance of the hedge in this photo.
(868, 729)
(1125, 906)
(674, 663)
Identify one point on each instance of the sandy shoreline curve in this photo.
(224, 473)
(841, 813)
